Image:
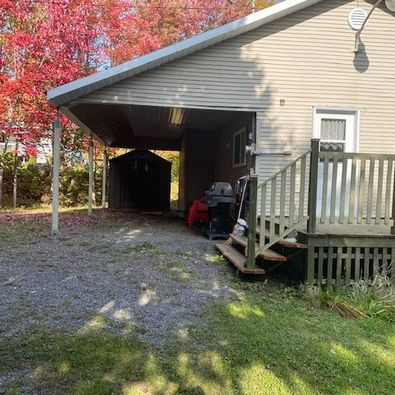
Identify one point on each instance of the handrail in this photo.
(333, 187)
(287, 201)
(286, 167)
(358, 155)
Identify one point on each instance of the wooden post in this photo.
(57, 128)
(313, 185)
(15, 177)
(90, 188)
(393, 205)
(252, 222)
(104, 179)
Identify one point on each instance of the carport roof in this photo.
(63, 95)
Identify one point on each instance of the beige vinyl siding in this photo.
(306, 59)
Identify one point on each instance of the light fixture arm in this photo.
(359, 32)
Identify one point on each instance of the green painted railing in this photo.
(283, 202)
(357, 188)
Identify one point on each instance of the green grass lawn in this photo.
(267, 341)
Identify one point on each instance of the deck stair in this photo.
(322, 239)
(237, 258)
(267, 255)
(230, 249)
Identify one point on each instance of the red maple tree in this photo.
(43, 44)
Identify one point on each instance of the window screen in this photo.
(333, 135)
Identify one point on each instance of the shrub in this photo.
(361, 300)
(74, 186)
(33, 183)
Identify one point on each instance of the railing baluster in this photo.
(343, 190)
(333, 190)
(273, 208)
(369, 203)
(351, 209)
(292, 193)
(271, 203)
(282, 201)
(324, 200)
(302, 191)
(262, 228)
(361, 193)
(387, 210)
(379, 191)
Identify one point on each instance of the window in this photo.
(337, 129)
(239, 147)
(333, 135)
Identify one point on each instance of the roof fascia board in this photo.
(63, 94)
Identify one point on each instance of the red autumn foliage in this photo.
(47, 43)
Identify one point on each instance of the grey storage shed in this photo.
(141, 180)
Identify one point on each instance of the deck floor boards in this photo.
(347, 229)
(350, 229)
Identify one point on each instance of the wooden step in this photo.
(238, 259)
(289, 244)
(268, 255)
(285, 243)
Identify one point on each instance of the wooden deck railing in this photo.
(355, 188)
(283, 202)
(336, 188)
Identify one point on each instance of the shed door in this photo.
(338, 133)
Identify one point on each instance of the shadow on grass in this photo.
(260, 346)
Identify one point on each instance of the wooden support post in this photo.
(310, 265)
(393, 204)
(104, 179)
(90, 188)
(313, 185)
(252, 222)
(57, 128)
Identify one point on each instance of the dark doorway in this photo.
(140, 180)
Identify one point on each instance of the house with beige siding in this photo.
(246, 99)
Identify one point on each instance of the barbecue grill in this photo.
(218, 199)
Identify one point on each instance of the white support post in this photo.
(90, 191)
(57, 128)
(104, 184)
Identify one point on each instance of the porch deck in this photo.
(349, 230)
(343, 217)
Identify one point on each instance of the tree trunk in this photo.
(94, 177)
(15, 177)
(2, 170)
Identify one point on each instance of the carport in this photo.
(203, 137)
(176, 98)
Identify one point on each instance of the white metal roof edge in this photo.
(63, 94)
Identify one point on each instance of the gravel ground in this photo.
(148, 271)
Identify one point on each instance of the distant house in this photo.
(43, 147)
(247, 98)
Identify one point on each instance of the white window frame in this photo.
(320, 113)
(240, 132)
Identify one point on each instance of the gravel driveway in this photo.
(148, 271)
